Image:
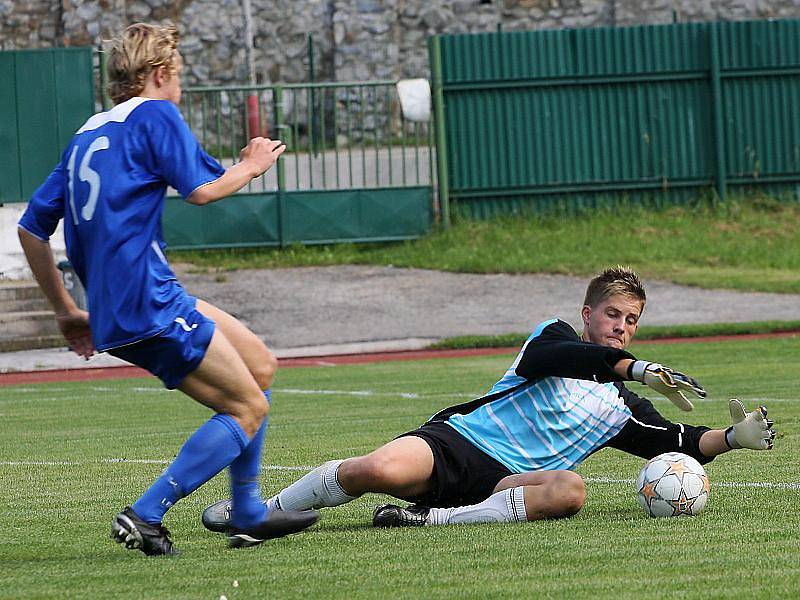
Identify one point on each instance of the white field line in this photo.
(357, 393)
(723, 484)
(304, 392)
(361, 393)
(134, 461)
(305, 469)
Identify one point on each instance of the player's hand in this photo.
(749, 430)
(261, 153)
(672, 384)
(74, 327)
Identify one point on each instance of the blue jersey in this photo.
(110, 187)
(555, 405)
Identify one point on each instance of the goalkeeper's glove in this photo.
(672, 384)
(749, 430)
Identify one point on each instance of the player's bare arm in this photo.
(164, 83)
(72, 321)
(255, 159)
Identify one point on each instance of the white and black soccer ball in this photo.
(672, 485)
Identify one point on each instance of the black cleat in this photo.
(391, 515)
(217, 517)
(129, 529)
(277, 524)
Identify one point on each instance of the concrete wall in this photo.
(12, 260)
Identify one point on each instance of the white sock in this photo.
(507, 506)
(316, 489)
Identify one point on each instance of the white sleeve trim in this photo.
(41, 239)
(157, 249)
(202, 185)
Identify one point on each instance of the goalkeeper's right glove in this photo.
(749, 430)
(664, 380)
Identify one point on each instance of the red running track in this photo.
(93, 374)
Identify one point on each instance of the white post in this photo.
(248, 41)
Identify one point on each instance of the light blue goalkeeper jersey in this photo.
(109, 187)
(532, 420)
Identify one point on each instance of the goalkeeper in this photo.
(509, 455)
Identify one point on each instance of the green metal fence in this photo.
(354, 168)
(46, 95)
(565, 119)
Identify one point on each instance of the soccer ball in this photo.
(672, 485)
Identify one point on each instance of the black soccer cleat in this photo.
(129, 529)
(277, 524)
(391, 515)
(217, 517)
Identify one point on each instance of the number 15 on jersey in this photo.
(87, 175)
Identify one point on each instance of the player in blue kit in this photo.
(109, 188)
(509, 455)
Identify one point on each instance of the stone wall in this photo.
(353, 39)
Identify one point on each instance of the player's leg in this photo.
(216, 386)
(261, 363)
(516, 498)
(403, 467)
(548, 494)
(188, 354)
(223, 383)
(246, 468)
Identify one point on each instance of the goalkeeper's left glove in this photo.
(672, 384)
(749, 430)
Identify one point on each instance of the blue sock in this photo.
(248, 508)
(209, 450)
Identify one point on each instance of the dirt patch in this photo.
(315, 306)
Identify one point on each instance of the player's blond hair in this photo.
(615, 280)
(140, 49)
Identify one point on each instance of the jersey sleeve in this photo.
(555, 350)
(178, 157)
(46, 207)
(647, 433)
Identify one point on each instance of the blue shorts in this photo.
(175, 352)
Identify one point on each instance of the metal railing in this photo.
(339, 135)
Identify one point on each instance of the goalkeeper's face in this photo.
(613, 322)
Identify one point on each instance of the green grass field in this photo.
(71, 455)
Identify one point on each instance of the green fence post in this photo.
(718, 108)
(281, 169)
(439, 128)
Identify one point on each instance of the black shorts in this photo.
(463, 474)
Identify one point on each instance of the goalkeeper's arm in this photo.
(751, 430)
(673, 384)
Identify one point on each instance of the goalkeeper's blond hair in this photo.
(140, 49)
(615, 280)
